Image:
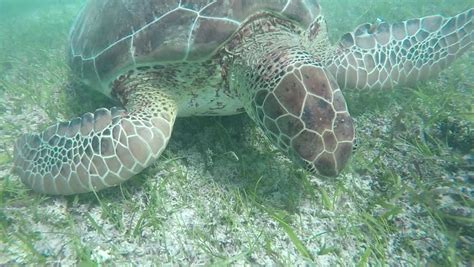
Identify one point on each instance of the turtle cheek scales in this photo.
(291, 94)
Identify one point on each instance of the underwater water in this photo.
(221, 193)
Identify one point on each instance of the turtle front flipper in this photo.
(386, 55)
(96, 150)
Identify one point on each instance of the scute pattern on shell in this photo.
(111, 35)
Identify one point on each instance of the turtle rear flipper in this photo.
(386, 55)
(97, 150)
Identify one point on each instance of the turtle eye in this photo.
(315, 28)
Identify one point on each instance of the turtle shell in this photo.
(111, 36)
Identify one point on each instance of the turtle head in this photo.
(305, 115)
(288, 92)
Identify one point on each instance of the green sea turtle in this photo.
(271, 59)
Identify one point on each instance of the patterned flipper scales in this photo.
(96, 150)
(386, 55)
